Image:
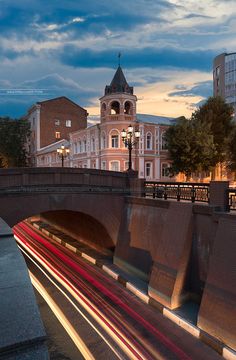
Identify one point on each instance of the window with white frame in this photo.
(114, 165)
(115, 141)
(149, 141)
(165, 170)
(103, 141)
(84, 145)
(103, 165)
(148, 169)
(68, 123)
(79, 146)
(93, 144)
(163, 141)
(57, 122)
(75, 148)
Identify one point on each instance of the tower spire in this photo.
(119, 56)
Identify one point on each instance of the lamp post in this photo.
(63, 152)
(130, 138)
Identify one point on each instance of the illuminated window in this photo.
(68, 123)
(114, 166)
(57, 135)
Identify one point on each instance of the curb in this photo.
(226, 352)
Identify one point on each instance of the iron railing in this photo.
(231, 195)
(178, 191)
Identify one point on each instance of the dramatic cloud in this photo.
(203, 89)
(25, 94)
(70, 48)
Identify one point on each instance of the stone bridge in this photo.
(96, 194)
(182, 251)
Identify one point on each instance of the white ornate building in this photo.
(101, 147)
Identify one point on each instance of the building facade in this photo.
(224, 77)
(101, 147)
(51, 121)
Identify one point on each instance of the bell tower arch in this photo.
(118, 102)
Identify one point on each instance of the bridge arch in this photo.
(104, 211)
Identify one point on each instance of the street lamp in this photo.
(130, 138)
(63, 152)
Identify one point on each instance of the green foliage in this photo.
(202, 142)
(216, 114)
(190, 146)
(232, 151)
(13, 139)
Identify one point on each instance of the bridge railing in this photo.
(63, 189)
(231, 196)
(178, 191)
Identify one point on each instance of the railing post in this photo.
(193, 194)
(178, 192)
(219, 195)
(154, 191)
(165, 193)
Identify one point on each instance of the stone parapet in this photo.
(22, 335)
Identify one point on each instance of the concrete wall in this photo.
(22, 334)
(184, 251)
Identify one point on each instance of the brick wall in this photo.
(61, 109)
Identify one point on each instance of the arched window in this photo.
(85, 145)
(128, 108)
(115, 107)
(92, 144)
(79, 146)
(114, 141)
(163, 141)
(115, 165)
(149, 141)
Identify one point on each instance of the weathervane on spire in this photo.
(119, 56)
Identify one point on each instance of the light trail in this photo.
(72, 303)
(73, 265)
(125, 344)
(63, 320)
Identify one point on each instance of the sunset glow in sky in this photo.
(67, 47)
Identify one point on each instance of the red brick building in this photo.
(53, 120)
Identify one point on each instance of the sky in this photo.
(70, 48)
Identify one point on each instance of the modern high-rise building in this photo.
(224, 77)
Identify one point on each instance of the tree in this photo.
(217, 115)
(14, 136)
(232, 152)
(191, 147)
